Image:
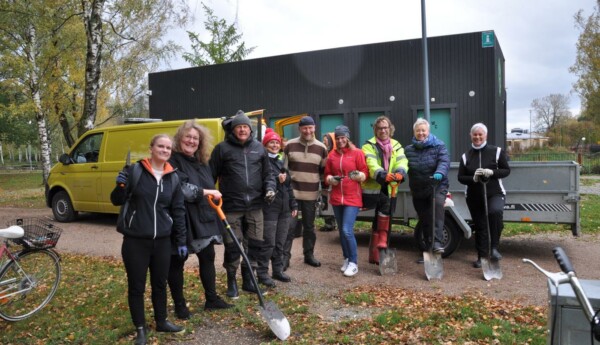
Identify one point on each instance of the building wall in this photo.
(364, 77)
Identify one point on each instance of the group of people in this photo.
(265, 186)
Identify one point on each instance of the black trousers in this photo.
(139, 255)
(424, 210)
(206, 266)
(495, 221)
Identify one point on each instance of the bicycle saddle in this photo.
(13, 231)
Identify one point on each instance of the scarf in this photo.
(479, 147)
(386, 146)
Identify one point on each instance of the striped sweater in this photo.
(306, 162)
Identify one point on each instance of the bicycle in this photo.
(29, 275)
(568, 275)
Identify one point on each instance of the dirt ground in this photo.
(94, 234)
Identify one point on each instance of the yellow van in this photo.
(85, 176)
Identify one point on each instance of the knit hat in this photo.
(240, 119)
(270, 135)
(306, 121)
(342, 131)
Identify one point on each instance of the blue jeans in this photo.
(345, 217)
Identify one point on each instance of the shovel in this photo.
(275, 319)
(434, 266)
(491, 268)
(387, 256)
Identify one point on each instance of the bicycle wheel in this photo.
(28, 283)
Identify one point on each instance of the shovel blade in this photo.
(434, 265)
(491, 269)
(387, 261)
(278, 323)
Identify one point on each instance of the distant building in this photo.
(520, 139)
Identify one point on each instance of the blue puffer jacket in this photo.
(424, 159)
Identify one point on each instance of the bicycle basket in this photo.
(39, 233)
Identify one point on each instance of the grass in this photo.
(90, 306)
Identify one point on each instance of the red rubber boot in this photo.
(373, 250)
(383, 228)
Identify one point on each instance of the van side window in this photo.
(88, 150)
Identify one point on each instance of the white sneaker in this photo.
(345, 265)
(351, 270)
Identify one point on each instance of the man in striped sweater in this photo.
(306, 157)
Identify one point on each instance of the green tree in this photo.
(223, 46)
(587, 63)
(550, 111)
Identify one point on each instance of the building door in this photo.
(365, 127)
(440, 126)
(328, 122)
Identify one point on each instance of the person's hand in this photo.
(269, 196)
(357, 176)
(190, 191)
(282, 177)
(437, 176)
(398, 177)
(122, 178)
(487, 173)
(479, 172)
(390, 178)
(294, 213)
(475, 177)
(182, 251)
(333, 180)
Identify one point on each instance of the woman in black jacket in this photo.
(192, 147)
(484, 164)
(155, 210)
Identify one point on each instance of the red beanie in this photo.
(271, 135)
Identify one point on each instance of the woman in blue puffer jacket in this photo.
(428, 165)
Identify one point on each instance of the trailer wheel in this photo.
(452, 236)
(62, 207)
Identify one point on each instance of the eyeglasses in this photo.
(382, 128)
(191, 137)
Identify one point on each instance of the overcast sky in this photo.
(537, 37)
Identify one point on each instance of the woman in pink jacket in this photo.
(345, 170)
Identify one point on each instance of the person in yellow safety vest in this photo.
(387, 163)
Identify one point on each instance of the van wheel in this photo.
(451, 237)
(62, 208)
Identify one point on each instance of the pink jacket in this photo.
(348, 192)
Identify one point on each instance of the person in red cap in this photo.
(277, 216)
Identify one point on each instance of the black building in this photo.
(353, 85)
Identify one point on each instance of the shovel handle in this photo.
(217, 206)
(394, 186)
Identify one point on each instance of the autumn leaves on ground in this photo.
(90, 308)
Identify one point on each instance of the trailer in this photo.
(536, 192)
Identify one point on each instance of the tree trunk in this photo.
(64, 125)
(92, 20)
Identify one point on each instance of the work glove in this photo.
(437, 176)
(182, 251)
(390, 177)
(475, 177)
(398, 177)
(190, 191)
(381, 178)
(357, 176)
(334, 180)
(270, 196)
(122, 178)
(487, 173)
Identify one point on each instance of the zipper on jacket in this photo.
(158, 190)
(247, 179)
(342, 180)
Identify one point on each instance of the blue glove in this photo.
(182, 251)
(437, 176)
(122, 178)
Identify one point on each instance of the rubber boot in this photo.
(141, 336)
(373, 250)
(383, 229)
(232, 289)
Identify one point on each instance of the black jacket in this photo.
(284, 198)
(156, 207)
(243, 172)
(202, 220)
(470, 162)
